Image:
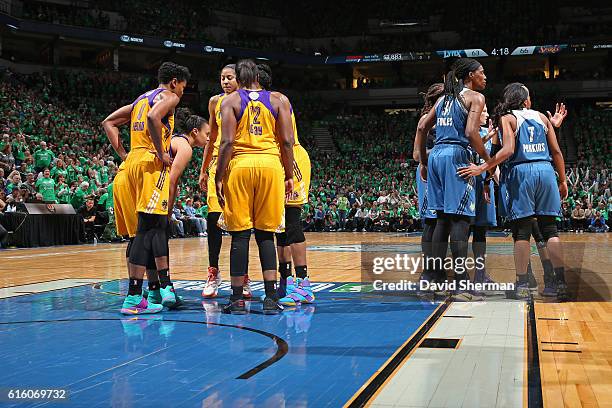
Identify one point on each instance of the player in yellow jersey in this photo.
(207, 183)
(249, 179)
(143, 185)
(292, 243)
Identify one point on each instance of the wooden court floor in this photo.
(574, 338)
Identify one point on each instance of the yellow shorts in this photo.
(254, 192)
(301, 177)
(211, 193)
(124, 203)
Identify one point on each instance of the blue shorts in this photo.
(424, 211)
(485, 212)
(446, 191)
(532, 190)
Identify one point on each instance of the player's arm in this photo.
(208, 150)
(230, 107)
(472, 127)
(161, 109)
(111, 127)
(557, 156)
(419, 152)
(286, 138)
(508, 123)
(181, 160)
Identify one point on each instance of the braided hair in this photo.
(514, 97)
(453, 82)
(264, 76)
(431, 96)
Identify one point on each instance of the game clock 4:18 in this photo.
(500, 51)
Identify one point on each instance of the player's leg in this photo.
(430, 273)
(283, 251)
(298, 290)
(550, 288)
(239, 264)
(215, 240)
(521, 234)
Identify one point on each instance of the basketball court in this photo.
(61, 329)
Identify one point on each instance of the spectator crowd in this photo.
(52, 149)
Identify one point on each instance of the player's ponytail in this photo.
(185, 121)
(453, 82)
(514, 97)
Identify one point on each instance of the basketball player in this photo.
(457, 120)
(249, 179)
(486, 216)
(207, 183)
(529, 146)
(291, 244)
(550, 289)
(143, 188)
(428, 217)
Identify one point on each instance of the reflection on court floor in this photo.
(313, 355)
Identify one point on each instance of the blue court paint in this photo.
(76, 339)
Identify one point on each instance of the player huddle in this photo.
(459, 157)
(256, 173)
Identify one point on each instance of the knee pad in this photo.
(129, 248)
(267, 251)
(239, 252)
(293, 226)
(139, 254)
(151, 265)
(535, 230)
(159, 242)
(522, 229)
(548, 227)
(479, 234)
(281, 239)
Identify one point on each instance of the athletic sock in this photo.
(523, 279)
(560, 274)
(270, 288)
(284, 268)
(236, 293)
(164, 278)
(548, 267)
(135, 287)
(154, 285)
(301, 271)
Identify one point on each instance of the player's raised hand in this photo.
(559, 116)
(220, 197)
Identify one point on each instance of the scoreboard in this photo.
(468, 52)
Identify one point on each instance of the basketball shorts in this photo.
(301, 177)
(446, 191)
(254, 191)
(124, 204)
(532, 190)
(485, 212)
(422, 195)
(151, 180)
(211, 193)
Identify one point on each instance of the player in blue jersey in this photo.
(428, 216)
(457, 120)
(486, 216)
(529, 146)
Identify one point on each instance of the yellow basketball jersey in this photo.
(218, 120)
(140, 138)
(256, 124)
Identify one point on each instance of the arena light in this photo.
(12, 26)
